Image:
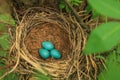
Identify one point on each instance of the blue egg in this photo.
(55, 54)
(44, 53)
(47, 45)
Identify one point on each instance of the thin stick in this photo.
(7, 66)
(76, 15)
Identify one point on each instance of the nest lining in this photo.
(48, 32)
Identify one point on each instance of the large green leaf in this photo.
(113, 68)
(110, 8)
(103, 38)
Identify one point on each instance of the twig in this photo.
(7, 66)
(76, 15)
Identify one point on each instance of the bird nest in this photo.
(44, 24)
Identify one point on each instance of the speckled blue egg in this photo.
(47, 45)
(44, 53)
(55, 54)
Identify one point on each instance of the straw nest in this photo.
(44, 24)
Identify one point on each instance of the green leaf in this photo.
(41, 76)
(118, 48)
(11, 76)
(61, 6)
(3, 70)
(118, 58)
(4, 41)
(67, 9)
(118, 52)
(110, 8)
(3, 53)
(113, 69)
(88, 8)
(3, 27)
(5, 18)
(103, 38)
(76, 4)
(77, 1)
(95, 14)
